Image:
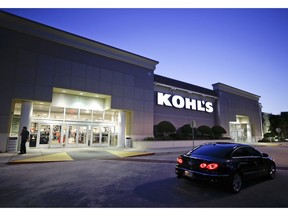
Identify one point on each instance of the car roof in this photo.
(227, 144)
(216, 149)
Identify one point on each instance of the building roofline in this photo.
(226, 88)
(175, 84)
(23, 25)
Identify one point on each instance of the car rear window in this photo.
(212, 150)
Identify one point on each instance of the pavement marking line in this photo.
(123, 154)
(46, 158)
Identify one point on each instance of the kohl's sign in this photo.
(180, 102)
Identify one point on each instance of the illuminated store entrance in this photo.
(55, 134)
(240, 130)
(72, 119)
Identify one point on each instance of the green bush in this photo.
(205, 131)
(164, 129)
(218, 131)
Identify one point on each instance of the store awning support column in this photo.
(121, 130)
(26, 114)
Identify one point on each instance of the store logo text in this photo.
(180, 102)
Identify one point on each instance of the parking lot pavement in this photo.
(88, 153)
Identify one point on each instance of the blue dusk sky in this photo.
(244, 48)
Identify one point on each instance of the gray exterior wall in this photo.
(232, 102)
(179, 117)
(228, 104)
(31, 65)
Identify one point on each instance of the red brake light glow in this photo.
(179, 160)
(203, 165)
(211, 166)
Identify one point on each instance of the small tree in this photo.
(165, 128)
(186, 130)
(218, 131)
(205, 131)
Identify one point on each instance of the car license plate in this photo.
(188, 174)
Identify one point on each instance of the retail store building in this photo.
(74, 92)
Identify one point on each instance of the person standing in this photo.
(24, 138)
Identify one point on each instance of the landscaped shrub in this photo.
(218, 131)
(186, 130)
(205, 131)
(164, 129)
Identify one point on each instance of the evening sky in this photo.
(244, 48)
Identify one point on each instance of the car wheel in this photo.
(272, 171)
(236, 184)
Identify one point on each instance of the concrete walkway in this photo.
(88, 153)
(70, 154)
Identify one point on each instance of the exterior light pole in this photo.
(193, 124)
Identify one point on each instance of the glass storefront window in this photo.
(14, 130)
(57, 113)
(40, 111)
(98, 116)
(71, 114)
(85, 115)
(111, 116)
(17, 109)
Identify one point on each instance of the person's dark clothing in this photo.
(24, 138)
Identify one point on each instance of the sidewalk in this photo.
(88, 153)
(71, 154)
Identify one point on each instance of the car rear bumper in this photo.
(187, 173)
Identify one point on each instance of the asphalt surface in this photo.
(89, 153)
(82, 181)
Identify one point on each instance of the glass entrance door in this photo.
(82, 136)
(77, 135)
(72, 135)
(100, 135)
(105, 139)
(95, 136)
(44, 134)
(56, 135)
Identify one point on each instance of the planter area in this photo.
(172, 143)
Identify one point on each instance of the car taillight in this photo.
(211, 166)
(203, 165)
(179, 160)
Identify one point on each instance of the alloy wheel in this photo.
(272, 172)
(236, 183)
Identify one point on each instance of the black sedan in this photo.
(225, 162)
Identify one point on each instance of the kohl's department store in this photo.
(71, 91)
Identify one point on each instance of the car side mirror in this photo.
(265, 155)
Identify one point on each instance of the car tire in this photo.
(271, 172)
(236, 183)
